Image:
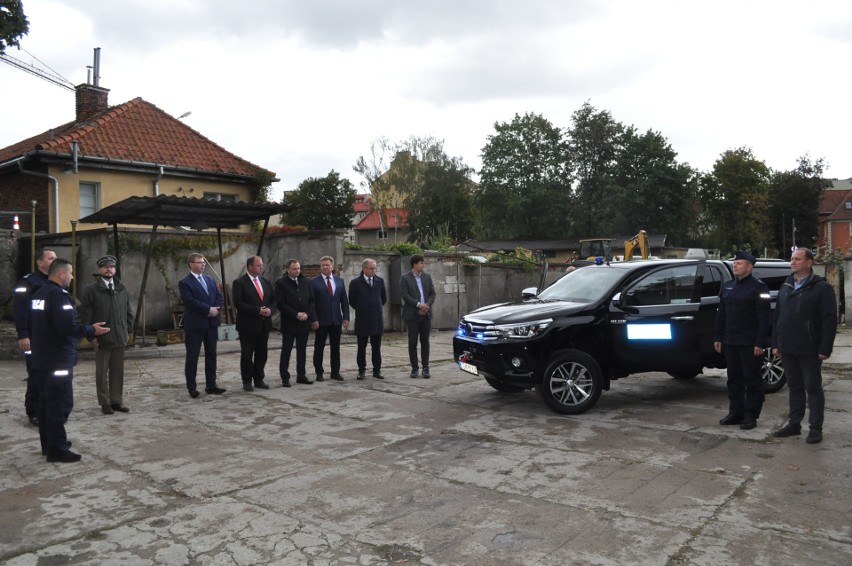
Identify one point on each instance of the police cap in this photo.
(742, 254)
(107, 260)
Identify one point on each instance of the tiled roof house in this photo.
(110, 153)
(835, 217)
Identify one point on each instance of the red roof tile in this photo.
(393, 218)
(140, 132)
(362, 202)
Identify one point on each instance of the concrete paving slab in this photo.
(412, 471)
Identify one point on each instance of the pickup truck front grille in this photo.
(477, 330)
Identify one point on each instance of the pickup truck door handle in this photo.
(682, 318)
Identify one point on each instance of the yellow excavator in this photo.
(602, 247)
(640, 241)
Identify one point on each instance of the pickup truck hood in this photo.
(526, 311)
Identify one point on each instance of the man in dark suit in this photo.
(332, 309)
(202, 301)
(253, 299)
(295, 299)
(418, 296)
(367, 296)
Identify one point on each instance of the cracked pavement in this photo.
(413, 471)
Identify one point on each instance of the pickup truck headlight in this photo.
(523, 330)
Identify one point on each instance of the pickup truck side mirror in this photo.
(529, 293)
(619, 304)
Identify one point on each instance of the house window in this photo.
(90, 198)
(381, 234)
(221, 197)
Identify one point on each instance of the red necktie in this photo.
(257, 286)
(328, 286)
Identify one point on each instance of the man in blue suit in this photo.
(367, 295)
(332, 310)
(202, 302)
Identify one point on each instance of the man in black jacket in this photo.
(294, 296)
(742, 331)
(803, 335)
(367, 296)
(253, 299)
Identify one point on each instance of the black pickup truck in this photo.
(603, 322)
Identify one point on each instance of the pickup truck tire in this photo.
(503, 387)
(772, 372)
(572, 383)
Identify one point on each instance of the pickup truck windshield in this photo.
(584, 285)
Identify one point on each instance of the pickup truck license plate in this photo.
(468, 368)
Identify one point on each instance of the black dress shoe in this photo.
(247, 386)
(337, 377)
(107, 410)
(361, 375)
(378, 376)
(215, 390)
(194, 393)
(120, 408)
(65, 457)
(426, 374)
(748, 424)
(788, 430)
(33, 421)
(285, 383)
(731, 419)
(304, 380)
(814, 436)
(261, 385)
(320, 378)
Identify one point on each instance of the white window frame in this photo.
(381, 234)
(96, 189)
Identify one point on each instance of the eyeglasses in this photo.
(202, 261)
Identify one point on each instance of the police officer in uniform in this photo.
(24, 291)
(54, 335)
(741, 332)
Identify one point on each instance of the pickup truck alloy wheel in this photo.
(772, 372)
(572, 383)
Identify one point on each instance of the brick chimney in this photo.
(91, 100)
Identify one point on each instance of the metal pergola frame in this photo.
(173, 211)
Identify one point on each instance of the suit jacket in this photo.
(368, 303)
(292, 300)
(197, 302)
(330, 310)
(248, 304)
(411, 294)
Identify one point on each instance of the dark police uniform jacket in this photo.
(24, 291)
(744, 312)
(54, 330)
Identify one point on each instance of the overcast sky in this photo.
(302, 87)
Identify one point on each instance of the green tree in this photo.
(441, 205)
(795, 197)
(525, 183)
(13, 23)
(735, 202)
(650, 190)
(321, 203)
(593, 146)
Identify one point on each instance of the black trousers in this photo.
(418, 329)
(56, 401)
(33, 390)
(332, 333)
(376, 349)
(745, 386)
(301, 340)
(193, 341)
(253, 355)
